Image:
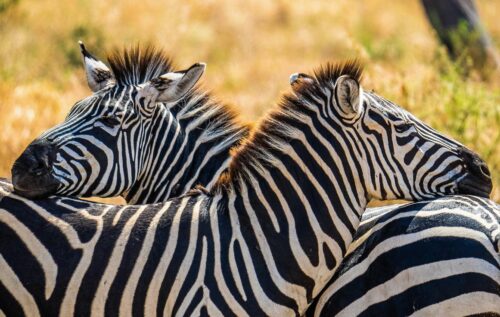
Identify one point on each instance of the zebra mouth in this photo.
(36, 193)
(32, 187)
(476, 186)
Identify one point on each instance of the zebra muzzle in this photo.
(32, 172)
(478, 178)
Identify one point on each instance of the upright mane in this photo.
(330, 72)
(138, 64)
(210, 124)
(273, 132)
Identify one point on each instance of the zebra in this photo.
(447, 226)
(117, 142)
(432, 258)
(236, 248)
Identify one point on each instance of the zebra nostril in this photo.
(39, 169)
(40, 162)
(484, 170)
(474, 164)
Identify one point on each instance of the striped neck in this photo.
(189, 145)
(296, 178)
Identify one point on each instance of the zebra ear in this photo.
(172, 86)
(300, 78)
(348, 95)
(98, 74)
(300, 81)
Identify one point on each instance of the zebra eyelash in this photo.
(403, 127)
(110, 120)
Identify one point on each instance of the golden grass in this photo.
(251, 48)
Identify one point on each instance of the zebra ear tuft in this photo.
(348, 95)
(173, 86)
(300, 81)
(299, 78)
(98, 74)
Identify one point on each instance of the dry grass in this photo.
(251, 48)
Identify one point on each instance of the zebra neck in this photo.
(298, 193)
(192, 148)
(299, 218)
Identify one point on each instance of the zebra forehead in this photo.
(137, 64)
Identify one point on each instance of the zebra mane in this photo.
(138, 64)
(331, 71)
(274, 130)
(328, 74)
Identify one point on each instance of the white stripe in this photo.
(418, 275)
(74, 285)
(106, 280)
(151, 301)
(352, 216)
(399, 241)
(462, 305)
(221, 169)
(199, 283)
(318, 273)
(298, 252)
(187, 261)
(267, 305)
(235, 224)
(118, 215)
(127, 297)
(36, 248)
(219, 277)
(14, 286)
(419, 214)
(293, 291)
(222, 145)
(267, 207)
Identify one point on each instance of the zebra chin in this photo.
(36, 193)
(473, 185)
(34, 187)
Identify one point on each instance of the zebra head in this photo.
(400, 156)
(100, 148)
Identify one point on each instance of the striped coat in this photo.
(234, 227)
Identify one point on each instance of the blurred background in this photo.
(251, 48)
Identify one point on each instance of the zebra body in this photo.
(431, 258)
(63, 256)
(188, 256)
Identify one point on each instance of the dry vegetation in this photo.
(251, 48)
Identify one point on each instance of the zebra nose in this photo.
(475, 165)
(32, 171)
(36, 160)
(41, 159)
(478, 179)
(39, 169)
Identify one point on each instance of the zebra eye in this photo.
(110, 120)
(400, 128)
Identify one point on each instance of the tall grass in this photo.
(251, 48)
